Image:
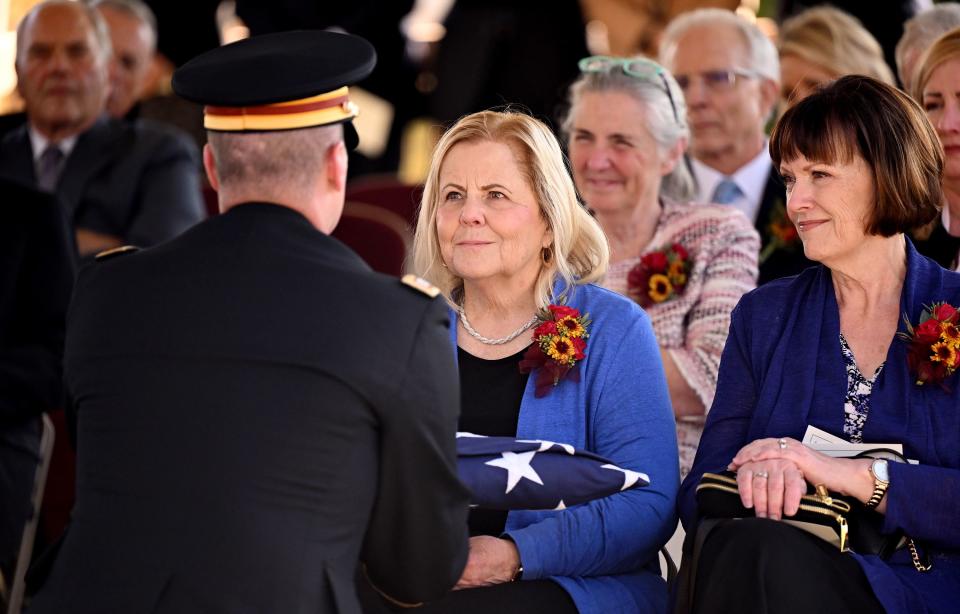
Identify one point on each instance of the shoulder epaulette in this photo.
(420, 285)
(115, 251)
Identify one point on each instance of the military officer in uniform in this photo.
(260, 416)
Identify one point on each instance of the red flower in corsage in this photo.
(934, 344)
(781, 233)
(559, 342)
(660, 276)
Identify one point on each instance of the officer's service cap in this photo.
(281, 81)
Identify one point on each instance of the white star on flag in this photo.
(546, 445)
(629, 477)
(517, 466)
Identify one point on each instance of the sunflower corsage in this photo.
(559, 344)
(933, 352)
(659, 276)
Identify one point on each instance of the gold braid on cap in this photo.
(330, 108)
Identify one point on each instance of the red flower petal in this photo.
(943, 312)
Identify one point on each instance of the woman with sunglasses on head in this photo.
(686, 264)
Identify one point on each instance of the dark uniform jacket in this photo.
(36, 276)
(135, 180)
(257, 411)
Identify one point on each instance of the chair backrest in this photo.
(388, 192)
(15, 603)
(382, 238)
(670, 573)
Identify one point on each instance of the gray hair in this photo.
(289, 158)
(666, 122)
(133, 8)
(100, 31)
(761, 52)
(922, 29)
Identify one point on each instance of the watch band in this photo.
(879, 490)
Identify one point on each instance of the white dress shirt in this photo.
(751, 178)
(39, 144)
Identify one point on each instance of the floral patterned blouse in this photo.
(856, 405)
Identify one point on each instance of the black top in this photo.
(490, 395)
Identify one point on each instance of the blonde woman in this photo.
(502, 234)
(936, 87)
(822, 44)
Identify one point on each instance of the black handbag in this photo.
(841, 521)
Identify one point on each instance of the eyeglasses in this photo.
(639, 68)
(716, 80)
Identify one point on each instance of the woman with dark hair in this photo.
(862, 167)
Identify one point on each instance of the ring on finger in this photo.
(761, 474)
(783, 443)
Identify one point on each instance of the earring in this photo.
(546, 254)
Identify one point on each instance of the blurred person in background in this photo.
(133, 36)
(730, 76)
(822, 44)
(119, 182)
(937, 89)
(686, 264)
(919, 32)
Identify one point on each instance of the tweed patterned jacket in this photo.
(692, 327)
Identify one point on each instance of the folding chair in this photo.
(388, 192)
(15, 603)
(379, 236)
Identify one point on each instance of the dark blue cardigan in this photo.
(782, 369)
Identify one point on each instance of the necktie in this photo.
(49, 167)
(727, 191)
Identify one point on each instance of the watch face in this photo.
(879, 469)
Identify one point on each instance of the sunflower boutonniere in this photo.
(660, 275)
(559, 344)
(933, 352)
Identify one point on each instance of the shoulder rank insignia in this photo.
(116, 251)
(420, 285)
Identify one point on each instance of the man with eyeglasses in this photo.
(730, 76)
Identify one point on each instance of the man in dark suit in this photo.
(259, 415)
(119, 182)
(36, 276)
(730, 75)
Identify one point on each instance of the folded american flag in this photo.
(523, 474)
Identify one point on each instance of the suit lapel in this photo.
(773, 193)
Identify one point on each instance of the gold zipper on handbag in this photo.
(808, 503)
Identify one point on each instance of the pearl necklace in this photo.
(473, 333)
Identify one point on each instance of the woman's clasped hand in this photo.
(772, 475)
